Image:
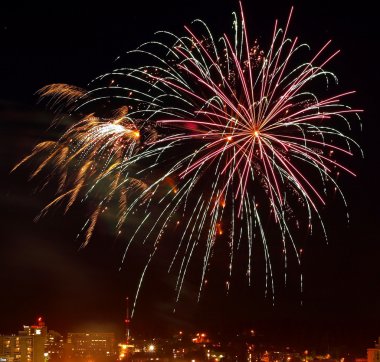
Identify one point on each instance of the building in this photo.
(373, 354)
(54, 346)
(92, 345)
(22, 348)
(10, 348)
(33, 344)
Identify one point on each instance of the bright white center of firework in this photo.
(114, 129)
(256, 133)
(111, 128)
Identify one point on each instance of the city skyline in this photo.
(43, 272)
(38, 343)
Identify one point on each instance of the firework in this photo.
(85, 159)
(230, 134)
(252, 140)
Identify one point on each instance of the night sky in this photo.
(42, 270)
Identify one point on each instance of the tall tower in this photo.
(127, 323)
(125, 347)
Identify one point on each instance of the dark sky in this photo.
(41, 269)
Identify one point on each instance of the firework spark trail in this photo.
(62, 97)
(88, 152)
(254, 114)
(225, 125)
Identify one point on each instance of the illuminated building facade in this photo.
(22, 348)
(373, 354)
(32, 344)
(85, 345)
(54, 345)
(10, 348)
